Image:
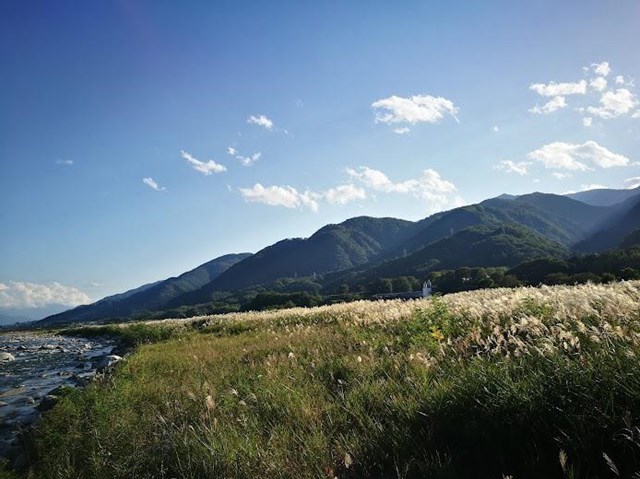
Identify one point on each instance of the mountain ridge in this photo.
(498, 232)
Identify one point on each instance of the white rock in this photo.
(6, 357)
(107, 361)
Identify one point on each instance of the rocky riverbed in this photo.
(32, 368)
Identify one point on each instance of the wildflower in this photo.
(437, 334)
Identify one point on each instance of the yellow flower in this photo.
(437, 334)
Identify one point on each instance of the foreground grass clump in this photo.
(524, 383)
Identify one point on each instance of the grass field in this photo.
(532, 382)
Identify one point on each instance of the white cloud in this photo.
(601, 68)
(343, 194)
(64, 162)
(560, 176)
(614, 104)
(205, 168)
(559, 89)
(616, 97)
(568, 156)
(412, 110)
(598, 84)
(286, 196)
(261, 120)
(151, 183)
(429, 186)
(401, 131)
(631, 183)
(496, 129)
(592, 186)
(587, 121)
(19, 294)
(624, 81)
(289, 197)
(249, 160)
(508, 166)
(244, 160)
(556, 103)
(636, 114)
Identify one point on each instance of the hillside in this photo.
(477, 246)
(147, 298)
(332, 248)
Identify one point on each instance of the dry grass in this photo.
(484, 383)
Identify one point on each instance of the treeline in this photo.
(622, 264)
(605, 267)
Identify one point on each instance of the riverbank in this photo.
(36, 370)
(531, 382)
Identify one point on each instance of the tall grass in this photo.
(528, 383)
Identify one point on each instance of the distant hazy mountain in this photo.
(149, 297)
(604, 196)
(623, 222)
(21, 315)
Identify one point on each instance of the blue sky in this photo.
(140, 139)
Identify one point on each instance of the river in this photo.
(41, 363)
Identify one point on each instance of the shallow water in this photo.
(42, 363)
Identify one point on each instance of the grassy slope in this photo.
(471, 385)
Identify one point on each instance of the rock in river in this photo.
(6, 357)
(107, 361)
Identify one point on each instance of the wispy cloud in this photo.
(290, 197)
(286, 196)
(559, 89)
(569, 156)
(244, 160)
(64, 162)
(402, 131)
(20, 294)
(412, 110)
(555, 104)
(560, 176)
(151, 183)
(508, 166)
(261, 120)
(205, 168)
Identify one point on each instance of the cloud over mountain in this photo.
(22, 294)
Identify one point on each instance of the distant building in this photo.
(426, 289)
